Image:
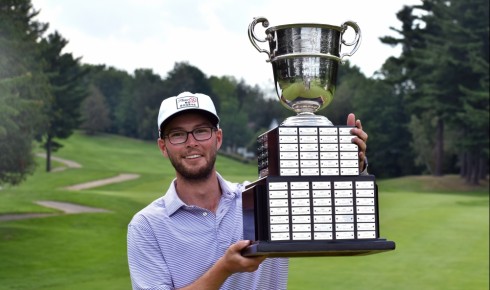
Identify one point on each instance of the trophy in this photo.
(309, 199)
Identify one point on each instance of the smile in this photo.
(192, 156)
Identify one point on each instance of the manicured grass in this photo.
(440, 226)
(441, 243)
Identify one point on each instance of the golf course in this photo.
(439, 224)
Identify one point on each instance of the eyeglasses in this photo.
(200, 134)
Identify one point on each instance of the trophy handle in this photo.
(253, 38)
(357, 40)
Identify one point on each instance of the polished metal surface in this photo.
(305, 59)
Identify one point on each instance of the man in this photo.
(192, 237)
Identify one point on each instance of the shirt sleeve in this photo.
(147, 265)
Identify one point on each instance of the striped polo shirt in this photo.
(171, 244)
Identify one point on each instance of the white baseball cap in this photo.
(186, 101)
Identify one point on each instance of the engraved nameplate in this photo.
(288, 139)
(282, 219)
(322, 227)
(278, 194)
(322, 218)
(301, 219)
(300, 185)
(366, 235)
(279, 236)
(328, 131)
(322, 193)
(321, 184)
(300, 193)
(308, 131)
(278, 185)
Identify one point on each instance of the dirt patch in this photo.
(91, 184)
(65, 207)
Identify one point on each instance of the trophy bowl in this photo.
(305, 59)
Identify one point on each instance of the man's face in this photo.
(192, 160)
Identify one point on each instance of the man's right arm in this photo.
(147, 266)
(149, 270)
(231, 262)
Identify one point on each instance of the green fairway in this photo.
(440, 226)
(441, 243)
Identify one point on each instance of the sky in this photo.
(209, 34)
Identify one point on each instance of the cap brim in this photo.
(208, 115)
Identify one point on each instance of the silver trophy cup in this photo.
(305, 59)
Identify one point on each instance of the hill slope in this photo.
(441, 230)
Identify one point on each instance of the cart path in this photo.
(23, 216)
(69, 208)
(91, 184)
(65, 207)
(67, 163)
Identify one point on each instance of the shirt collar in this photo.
(174, 203)
(172, 200)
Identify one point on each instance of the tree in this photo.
(23, 89)
(244, 112)
(95, 114)
(471, 20)
(380, 107)
(114, 85)
(65, 76)
(233, 121)
(185, 77)
(350, 82)
(443, 70)
(137, 112)
(16, 134)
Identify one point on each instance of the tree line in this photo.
(426, 111)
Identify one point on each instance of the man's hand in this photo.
(360, 139)
(234, 262)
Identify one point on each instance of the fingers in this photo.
(360, 134)
(358, 124)
(360, 138)
(357, 131)
(240, 245)
(235, 262)
(361, 144)
(351, 120)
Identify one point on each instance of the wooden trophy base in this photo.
(318, 248)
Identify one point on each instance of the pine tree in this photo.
(444, 74)
(23, 88)
(65, 76)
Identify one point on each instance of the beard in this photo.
(194, 173)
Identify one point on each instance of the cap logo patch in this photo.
(187, 102)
